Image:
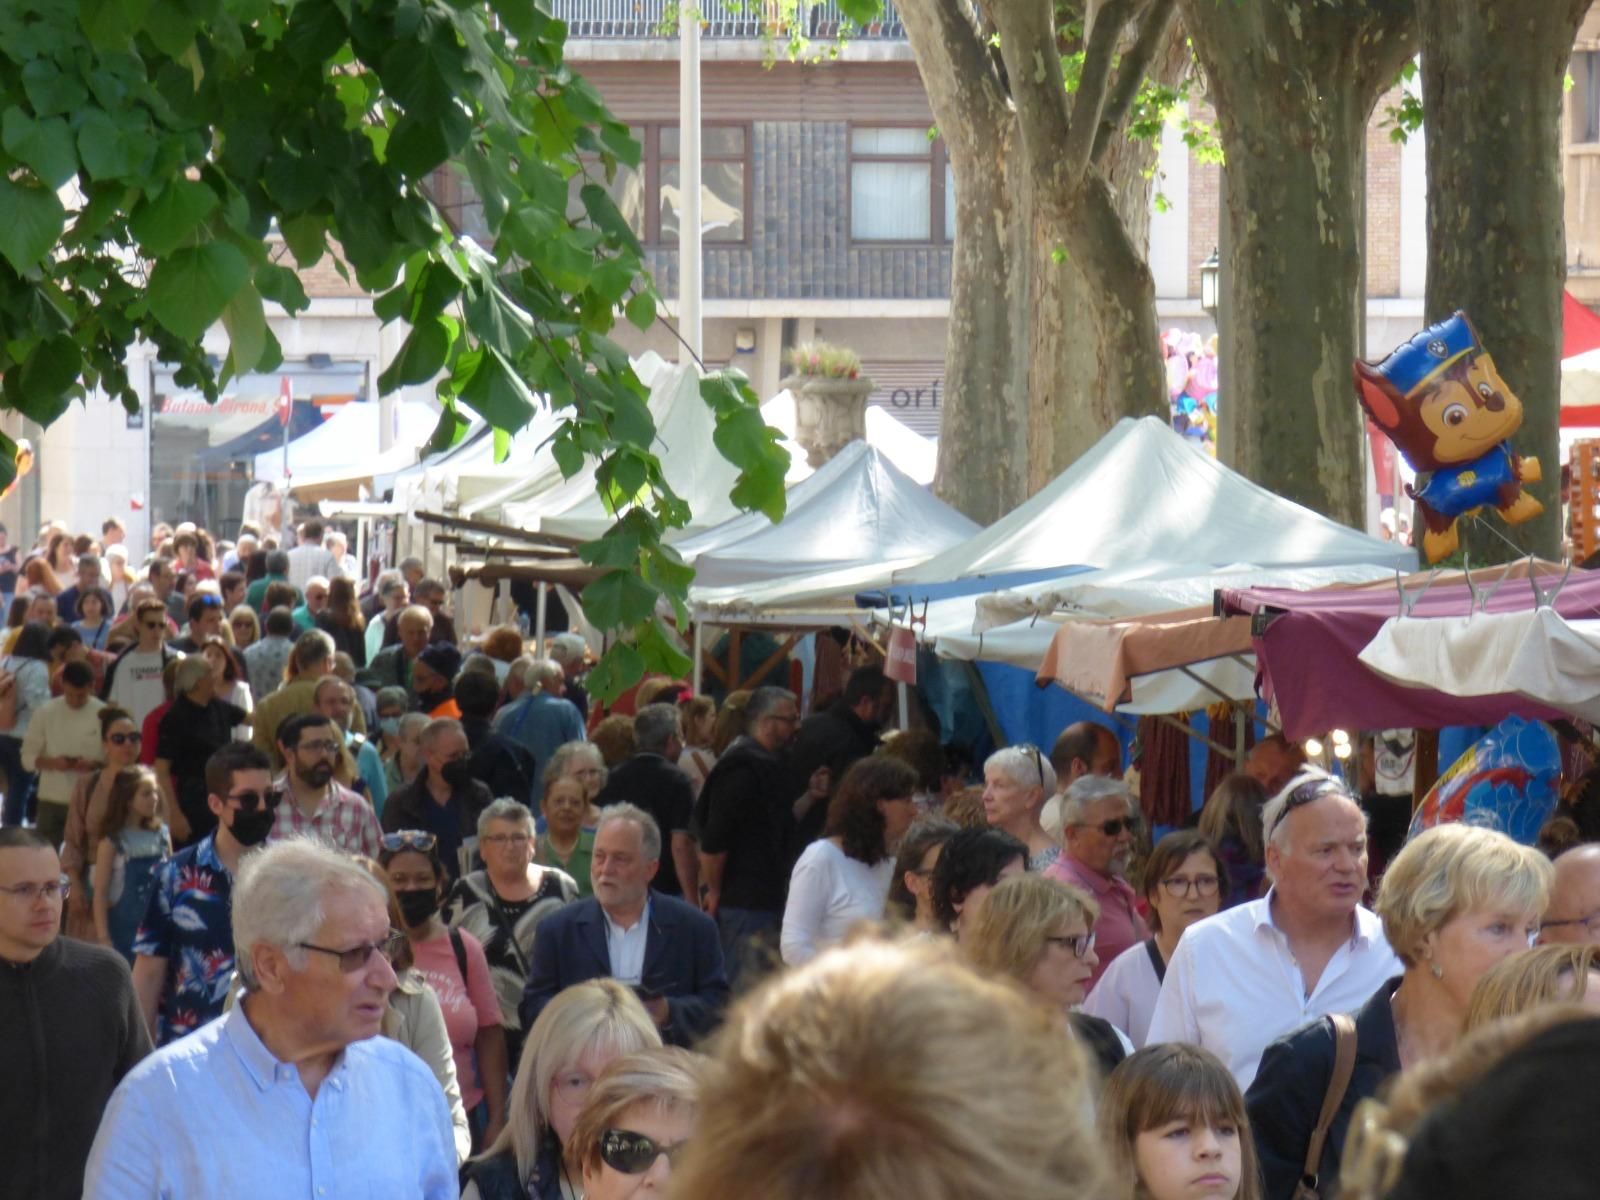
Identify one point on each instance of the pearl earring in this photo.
(1438, 971)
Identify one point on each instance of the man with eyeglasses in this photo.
(292, 1093)
(183, 956)
(314, 801)
(133, 680)
(1573, 913)
(1100, 821)
(72, 1023)
(1240, 980)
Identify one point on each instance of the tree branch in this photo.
(951, 57)
(1033, 69)
(1153, 26)
(1092, 84)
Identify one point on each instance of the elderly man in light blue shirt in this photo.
(290, 1096)
(542, 720)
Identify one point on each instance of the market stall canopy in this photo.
(1142, 494)
(1308, 646)
(914, 454)
(858, 508)
(346, 444)
(1537, 654)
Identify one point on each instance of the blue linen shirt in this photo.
(217, 1115)
(189, 923)
(541, 722)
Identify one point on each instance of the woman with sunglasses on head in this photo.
(575, 1038)
(1016, 783)
(119, 747)
(454, 965)
(1183, 883)
(1040, 933)
(1454, 902)
(636, 1119)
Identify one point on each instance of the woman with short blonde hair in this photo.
(1566, 973)
(638, 1113)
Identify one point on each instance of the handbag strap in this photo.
(1344, 1064)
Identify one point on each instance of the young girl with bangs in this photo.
(133, 844)
(1174, 1121)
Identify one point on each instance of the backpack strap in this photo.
(460, 948)
(1344, 1064)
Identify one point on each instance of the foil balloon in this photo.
(1442, 403)
(1509, 779)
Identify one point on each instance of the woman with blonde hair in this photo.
(581, 1032)
(730, 724)
(639, 1114)
(1454, 902)
(1566, 973)
(699, 718)
(888, 1070)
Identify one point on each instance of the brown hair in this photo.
(119, 803)
(1235, 807)
(1008, 932)
(853, 814)
(503, 643)
(730, 721)
(699, 717)
(613, 737)
(342, 604)
(1169, 854)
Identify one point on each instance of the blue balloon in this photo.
(1509, 780)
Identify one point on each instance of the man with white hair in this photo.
(315, 596)
(542, 719)
(570, 651)
(292, 1093)
(1245, 977)
(338, 547)
(1099, 820)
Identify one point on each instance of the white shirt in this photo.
(310, 559)
(1233, 987)
(626, 947)
(136, 685)
(1126, 993)
(829, 893)
(58, 730)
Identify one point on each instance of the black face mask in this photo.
(457, 774)
(428, 701)
(251, 828)
(418, 904)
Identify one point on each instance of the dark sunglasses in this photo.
(633, 1153)
(125, 739)
(1115, 826)
(250, 801)
(357, 957)
(409, 839)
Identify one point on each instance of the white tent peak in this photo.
(907, 449)
(1142, 494)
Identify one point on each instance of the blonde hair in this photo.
(600, 1012)
(1009, 928)
(1453, 869)
(886, 1070)
(1173, 1081)
(1544, 975)
(667, 1078)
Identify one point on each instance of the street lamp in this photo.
(1211, 284)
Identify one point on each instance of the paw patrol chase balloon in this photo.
(1443, 404)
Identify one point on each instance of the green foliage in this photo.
(212, 146)
(1405, 118)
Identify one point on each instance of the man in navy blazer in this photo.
(665, 949)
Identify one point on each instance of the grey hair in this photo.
(1024, 765)
(654, 726)
(393, 696)
(763, 700)
(312, 647)
(390, 582)
(565, 753)
(541, 671)
(412, 720)
(1090, 789)
(519, 668)
(568, 647)
(189, 672)
(1275, 815)
(437, 728)
(505, 809)
(280, 893)
(649, 831)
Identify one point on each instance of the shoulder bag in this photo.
(1344, 1064)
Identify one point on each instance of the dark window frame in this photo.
(937, 158)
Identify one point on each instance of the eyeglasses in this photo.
(357, 957)
(319, 747)
(1115, 826)
(125, 739)
(633, 1153)
(28, 893)
(1591, 924)
(1311, 789)
(506, 839)
(409, 839)
(1080, 944)
(1181, 885)
(250, 801)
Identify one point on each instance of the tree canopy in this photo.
(167, 164)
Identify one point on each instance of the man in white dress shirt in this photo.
(291, 1095)
(1246, 976)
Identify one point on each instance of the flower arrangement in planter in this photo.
(823, 360)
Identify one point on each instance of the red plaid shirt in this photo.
(344, 820)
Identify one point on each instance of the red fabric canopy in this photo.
(1580, 327)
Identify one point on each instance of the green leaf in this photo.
(422, 355)
(190, 288)
(619, 599)
(452, 427)
(502, 444)
(603, 212)
(281, 286)
(305, 235)
(110, 24)
(618, 548)
(109, 149)
(496, 393)
(49, 91)
(172, 217)
(618, 670)
(31, 218)
(641, 311)
(862, 12)
(47, 146)
(246, 324)
(39, 388)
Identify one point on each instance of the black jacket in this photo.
(663, 791)
(834, 738)
(1285, 1099)
(411, 807)
(504, 766)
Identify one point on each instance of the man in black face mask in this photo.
(183, 956)
(444, 799)
(432, 674)
(315, 802)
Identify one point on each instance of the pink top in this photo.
(469, 1005)
(1120, 924)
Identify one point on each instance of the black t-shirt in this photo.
(189, 734)
(835, 739)
(663, 791)
(748, 815)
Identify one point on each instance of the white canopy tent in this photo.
(346, 444)
(912, 453)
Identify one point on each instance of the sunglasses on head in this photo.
(207, 600)
(252, 800)
(1312, 789)
(409, 839)
(125, 739)
(633, 1153)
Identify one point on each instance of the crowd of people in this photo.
(290, 907)
(1191, 366)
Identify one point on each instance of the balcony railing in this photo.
(748, 19)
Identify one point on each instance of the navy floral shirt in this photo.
(189, 923)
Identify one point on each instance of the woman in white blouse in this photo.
(1184, 882)
(843, 878)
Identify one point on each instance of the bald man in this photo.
(1084, 748)
(1273, 761)
(1573, 914)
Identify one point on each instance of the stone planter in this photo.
(829, 414)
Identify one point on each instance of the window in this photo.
(724, 175)
(892, 192)
(1585, 72)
